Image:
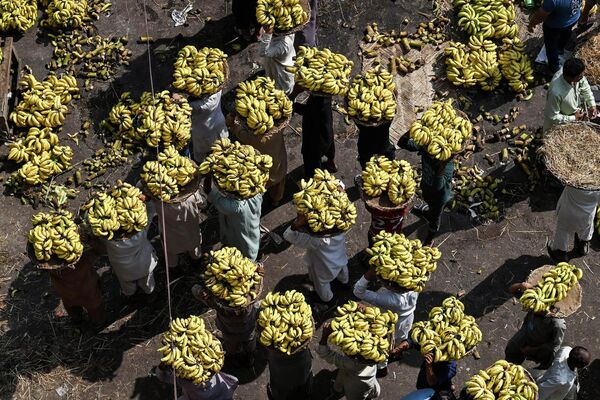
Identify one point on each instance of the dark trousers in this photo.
(555, 40)
(374, 141)
(313, 159)
(435, 201)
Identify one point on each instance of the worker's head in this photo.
(573, 70)
(579, 357)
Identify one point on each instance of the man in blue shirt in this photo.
(559, 17)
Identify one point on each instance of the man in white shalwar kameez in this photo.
(559, 382)
(278, 53)
(208, 124)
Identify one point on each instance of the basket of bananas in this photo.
(201, 72)
(325, 205)
(321, 71)
(442, 130)
(285, 322)
(555, 290)
(117, 214)
(363, 333)
(18, 15)
(371, 99)
(448, 334)
(283, 16)
(171, 178)
(502, 381)
(194, 353)
(261, 108)
(394, 178)
(54, 241)
(233, 280)
(400, 263)
(238, 170)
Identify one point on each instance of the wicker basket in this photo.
(306, 7)
(54, 263)
(566, 306)
(277, 128)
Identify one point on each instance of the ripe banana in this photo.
(281, 15)
(371, 96)
(166, 177)
(554, 286)
(55, 235)
(503, 381)
(515, 65)
(487, 18)
(69, 14)
(321, 70)
(19, 15)
(394, 177)
(473, 64)
(200, 72)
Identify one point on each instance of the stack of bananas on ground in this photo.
(471, 187)
(169, 174)
(325, 205)
(285, 320)
(194, 353)
(237, 168)
(448, 334)
(475, 63)
(55, 235)
(371, 96)
(406, 263)
(41, 155)
(502, 381)
(321, 70)
(160, 120)
(18, 15)
(232, 277)
(261, 104)
(554, 286)
(363, 333)
(515, 65)
(440, 131)
(44, 103)
(487, 18)
(68, 14)
(280, 15)
(200, 72)
(394, 177)
(120, 211)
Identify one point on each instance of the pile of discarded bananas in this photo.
(473, 64)
(440, 131)
(18, 15)
(161, 120)
(237, 168)
(324, 203)
(427, 32)
(406, 263)
(169, 174)
(448, 334)
(200, 72)
(321, 70)
(363, 331)
(285, 320)
(261, 104)
(231, 277)
(194, 353)
(395, 177)
(371, 96)
(476, 192)
(69, 14)
(515, 65)
(44, 103)
(553, 287)
(41, 155)
(502, 381)
(487, 18)
(281, 15)
(55, 235)
(120, 211)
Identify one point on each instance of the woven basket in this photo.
(277, 128)
(566, 306)
(306, 7)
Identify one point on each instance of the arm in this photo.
(274, 49)
(301, 239)
(223, 204)
(540, 15)
(332, 357)
(554, 113)
(432, 380)
(588, 97)
(517, 289)
(407, 143)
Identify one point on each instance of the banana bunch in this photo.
(200, 72)
(18, 15)
(322, 70)
(261, 104)
(597, 223)
(448, 334)
(41, 155)
(515, 65)
(1, 55)
(286, 321)
(194, 353)
(553, 287)
(160, 120)
(121, 210)
(440, 130)
(502, 381)
(363, 333)
(231, 277)
(281, 15)
(68, 14)
(487, 18)
(237, 168)
(325, 205)
(44, 103)
(472, 64)
(471, 187)
(169, 174)
(396, 177)
(55, 235)
(371, 96)
(406, 263)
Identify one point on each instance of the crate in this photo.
(9, 71)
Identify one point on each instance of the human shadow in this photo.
(588, 379)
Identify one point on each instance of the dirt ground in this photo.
(42, 357)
